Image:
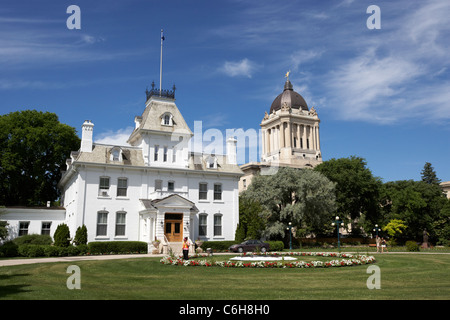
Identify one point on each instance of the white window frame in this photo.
(120, 224)
(202, 192)
(102, 222)
(216, 193)
(218, 226)
(102, 190)
(203, 226)
(120, 186)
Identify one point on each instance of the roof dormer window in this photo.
(167, 119)
(116, 154)
(211, 162)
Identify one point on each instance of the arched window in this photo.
(167, 119)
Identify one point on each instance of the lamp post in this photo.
(338, 223)
(376, 229)
(290, 235)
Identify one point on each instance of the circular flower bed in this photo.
(347, 260)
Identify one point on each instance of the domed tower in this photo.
(290, 131)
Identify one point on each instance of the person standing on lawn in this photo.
(185, 249)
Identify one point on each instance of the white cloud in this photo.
(245, 68)
(115, 138)
(303, 56)
(398, 78)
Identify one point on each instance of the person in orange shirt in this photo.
(185, 249)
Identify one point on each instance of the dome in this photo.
(290, 97)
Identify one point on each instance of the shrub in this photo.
(31, 250)
(81, 236)
(412, 246)
(275, 245)
(115, 247)
(217, 246)
(62, 235)
(9, 249)
(41, 239)
(51, 251)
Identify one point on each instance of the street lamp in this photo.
(376, 229)
(338, 223)
(290, 235)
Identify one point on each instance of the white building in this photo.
(155, 188)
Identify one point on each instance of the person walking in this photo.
(383, 245)
(378, 242)
(185, 249)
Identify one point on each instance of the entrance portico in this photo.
(169, 219)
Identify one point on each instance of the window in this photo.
(202, 191)
(104, 187)
(217, 225)
(122, 185)
(45, 228)
(170, 186)
(217, 191)
(156, 153)
(167, 119)
(174, 155)
(115, 154)
(23, 228)
(102, 223)
(211, 162)
(158, 185)
(165, 154)
(202, 224)
(120, 223)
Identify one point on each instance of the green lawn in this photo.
(403, 276)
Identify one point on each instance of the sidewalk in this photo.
(14, 262)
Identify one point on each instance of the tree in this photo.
(250, 223)
(81, 236)
(357, 190)
(62, 235)
(395, 227)
(429, 175)
(34, 147)
(301, 196)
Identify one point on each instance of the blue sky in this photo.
(383, 95)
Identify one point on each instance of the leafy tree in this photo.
(301, 196)
(417, 203)
(3, 227)
(33, 149)
(357, 190)
(395, 227)
(429, 175)
(441, 225)
(250, 223)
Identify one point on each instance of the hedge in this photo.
(115, 247)
(218, 246)
(11, 249)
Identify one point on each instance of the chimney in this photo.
(231, 150)
(86, 136)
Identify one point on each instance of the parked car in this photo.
(249, 245)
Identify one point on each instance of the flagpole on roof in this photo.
(160, 65)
